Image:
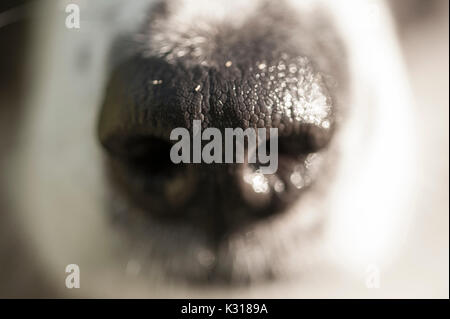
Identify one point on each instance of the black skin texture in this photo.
(150, 94)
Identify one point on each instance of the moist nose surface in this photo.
(137, 120)
(250, 77)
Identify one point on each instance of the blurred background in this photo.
(422, 27)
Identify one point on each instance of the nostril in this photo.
(148, 155)
(140, 169)
(309, 139)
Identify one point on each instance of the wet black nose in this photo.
(271, 70)
(147, 98)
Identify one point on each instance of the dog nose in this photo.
(148, 97)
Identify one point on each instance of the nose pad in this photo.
(148, 98)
